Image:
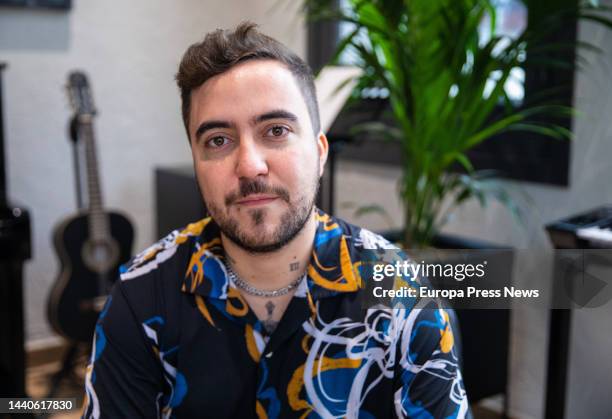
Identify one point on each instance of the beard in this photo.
(252, 238)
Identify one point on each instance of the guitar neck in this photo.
(98, 219)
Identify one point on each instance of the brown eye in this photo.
(278, 131)
(217, 142)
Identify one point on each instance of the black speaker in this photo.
(178, 201)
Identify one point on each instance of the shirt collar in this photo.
(332, 269)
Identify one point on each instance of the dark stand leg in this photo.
(558, 357)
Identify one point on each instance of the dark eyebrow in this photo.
(208, 125)
(276, 114)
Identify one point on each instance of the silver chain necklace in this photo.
(250, 289)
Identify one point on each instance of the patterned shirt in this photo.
(177, 339)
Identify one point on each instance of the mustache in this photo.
(248, 187)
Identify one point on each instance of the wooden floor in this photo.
(38, 385)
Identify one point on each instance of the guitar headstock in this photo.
(79, 94)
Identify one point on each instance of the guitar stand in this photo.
(66, 372)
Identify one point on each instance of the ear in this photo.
(323, 149)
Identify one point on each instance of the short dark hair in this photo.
(223, 49)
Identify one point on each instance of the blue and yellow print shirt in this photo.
(176, 339)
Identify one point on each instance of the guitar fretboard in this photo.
(98, 219)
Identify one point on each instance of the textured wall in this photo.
(131, 51)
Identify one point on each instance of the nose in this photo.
(251, 161)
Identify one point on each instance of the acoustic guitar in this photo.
(92, 244)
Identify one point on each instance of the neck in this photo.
(276, 269)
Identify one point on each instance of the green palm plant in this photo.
(445, 81)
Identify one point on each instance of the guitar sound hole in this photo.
(100, 256)
(100, 252)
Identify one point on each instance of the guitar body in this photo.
(88, 270)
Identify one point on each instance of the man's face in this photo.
(256, 157)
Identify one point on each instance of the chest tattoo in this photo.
(269, 323)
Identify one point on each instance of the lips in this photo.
(256, 200)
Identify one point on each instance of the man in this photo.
(257, 310)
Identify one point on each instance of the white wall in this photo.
(590, 186)
(131, 52)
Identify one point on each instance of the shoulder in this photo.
(359, 237)
(369, 240)
(166, 249)
(420, 325)
(152, 279)
(368, 247)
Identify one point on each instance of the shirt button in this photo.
(269, 355)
